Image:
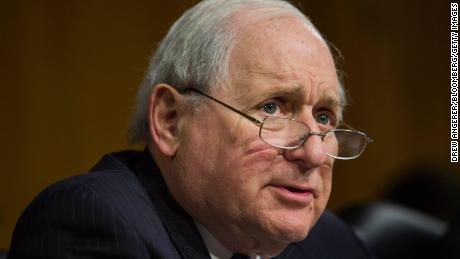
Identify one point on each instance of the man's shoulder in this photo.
(111, 186)
(109, 178)
(91, 211)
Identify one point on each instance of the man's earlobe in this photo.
(164, 114)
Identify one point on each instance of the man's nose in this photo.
(311, 154)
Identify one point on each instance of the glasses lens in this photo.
(288, 133)
(344, 143)
(283, 132)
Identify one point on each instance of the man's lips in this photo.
(294, 193)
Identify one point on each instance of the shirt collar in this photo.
(215, 248)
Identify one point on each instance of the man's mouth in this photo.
(294, 194)
(292, 189)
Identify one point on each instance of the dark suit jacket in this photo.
(123, 209)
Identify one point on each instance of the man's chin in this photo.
(293, 235)
(279, 242)
(289, 230)
(271, 232)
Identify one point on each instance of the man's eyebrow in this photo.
(331, 101)
(286, 91)
(334, 104)
(289, 92)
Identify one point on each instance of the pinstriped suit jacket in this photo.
(123, 209)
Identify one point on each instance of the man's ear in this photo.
(164, 114)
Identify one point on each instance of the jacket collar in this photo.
(179, 224)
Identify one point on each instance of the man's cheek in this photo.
(258, 151)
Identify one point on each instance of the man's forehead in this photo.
(285, 60)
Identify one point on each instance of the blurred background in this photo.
(70, 70)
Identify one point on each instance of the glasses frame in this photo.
(304, 137)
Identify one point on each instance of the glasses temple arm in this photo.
(256, 121)
(369, 140)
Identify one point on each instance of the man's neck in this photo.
(215, 248)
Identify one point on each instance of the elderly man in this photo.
(239, 112)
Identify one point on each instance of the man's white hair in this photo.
(196, 51)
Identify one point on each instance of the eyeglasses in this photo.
(287, 133)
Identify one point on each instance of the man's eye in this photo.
(270, 108)
(323, 118)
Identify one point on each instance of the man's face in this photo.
(231, 181)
